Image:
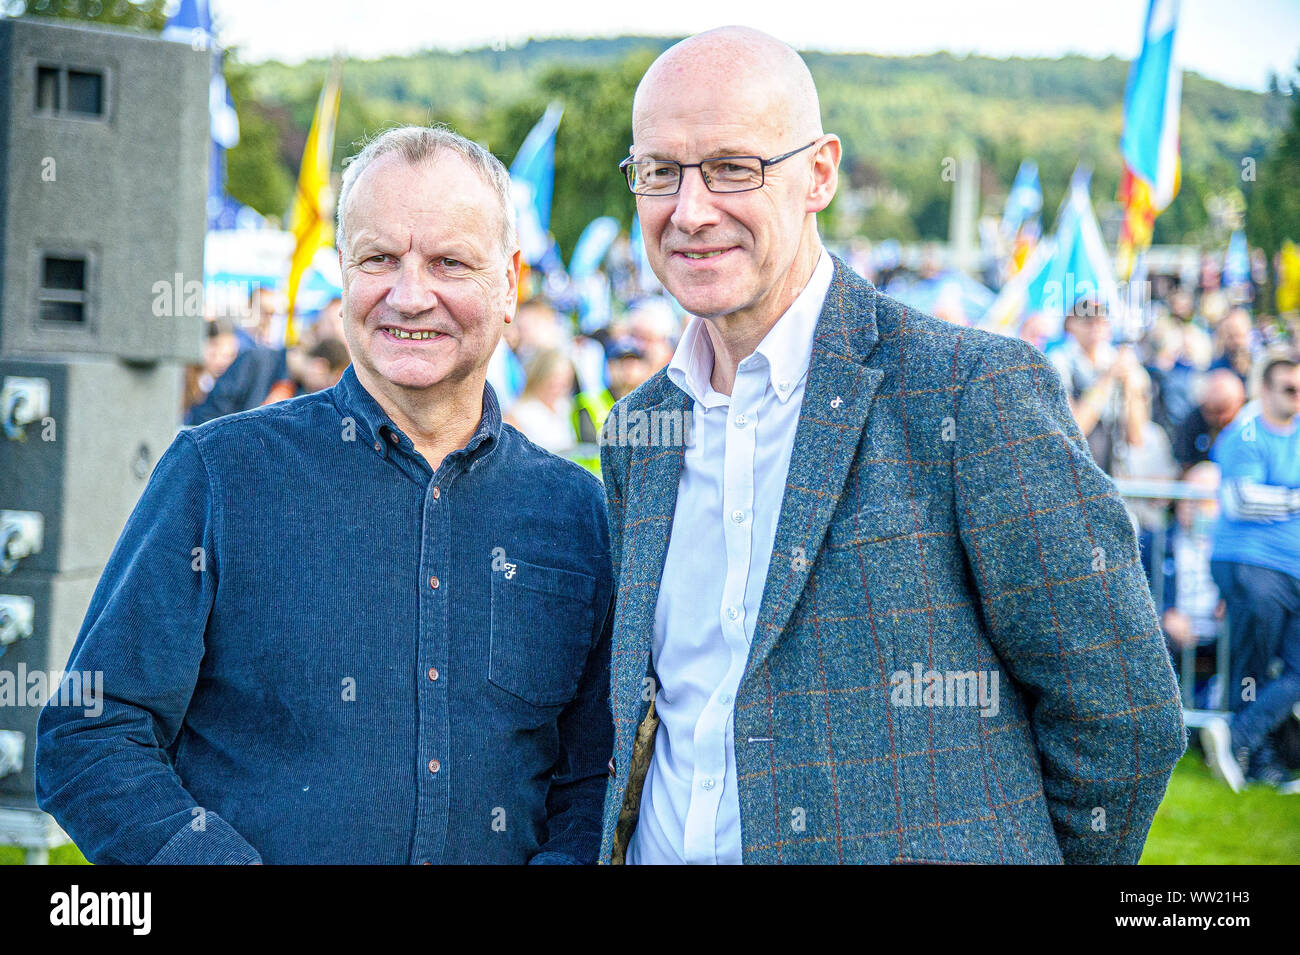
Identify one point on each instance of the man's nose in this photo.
(695, 207)
(412, 291)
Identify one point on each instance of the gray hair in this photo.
(416, 144)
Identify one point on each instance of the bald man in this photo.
(875, 602)
(1222, 396)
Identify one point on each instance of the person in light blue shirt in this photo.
(1256, 565)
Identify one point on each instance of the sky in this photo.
(1237, 42)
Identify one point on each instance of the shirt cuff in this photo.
(216, 844)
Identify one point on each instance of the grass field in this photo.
(1200, 822)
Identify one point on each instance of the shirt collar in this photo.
(377, 428)
(786, 350)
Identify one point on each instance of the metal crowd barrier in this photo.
(1162, 490)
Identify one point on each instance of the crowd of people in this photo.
(247, 363)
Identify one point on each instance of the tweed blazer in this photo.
(957, 658)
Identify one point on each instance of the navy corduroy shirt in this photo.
(317, 650)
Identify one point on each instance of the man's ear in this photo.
(513, 266)
(825, 175)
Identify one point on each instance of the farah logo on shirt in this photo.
(499, 562)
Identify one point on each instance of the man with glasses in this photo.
(1256, 564)
(878, 604)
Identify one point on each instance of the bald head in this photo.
(725, 109)
(1223, 397)
(754, 66)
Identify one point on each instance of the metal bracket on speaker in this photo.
(12, 745)
(16, 617)
(22, 533)
(22, 401)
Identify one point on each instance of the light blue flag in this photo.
(1071, 265)
(534, 165)
(1080, 266)
(1236, 266)
(646, 280)
(592, 247)
(637, 243)
(1025, 199)
(1152, 99)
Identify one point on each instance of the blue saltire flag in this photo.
(594, 291)
(532, 177)
(1025, 199)
(192, 24)
(592, 247)
(1072, 265)
(1080, 267)
(1152, 98)
(646, 280)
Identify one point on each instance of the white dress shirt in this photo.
(728, 502)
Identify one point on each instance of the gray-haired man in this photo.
(364, 625)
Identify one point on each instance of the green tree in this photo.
(256, 173)
(143, 14)
(591, 141)
(1186, 217)
(1273, 201)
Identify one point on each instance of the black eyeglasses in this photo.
(663, 177)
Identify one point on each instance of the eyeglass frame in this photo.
(683, 166)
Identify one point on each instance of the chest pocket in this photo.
(877, 523)
(542, 620)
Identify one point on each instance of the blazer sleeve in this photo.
(1068, 608)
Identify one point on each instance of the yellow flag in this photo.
(311, 218)
(1288, 279)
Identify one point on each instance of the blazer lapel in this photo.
(837, 398)
(651, 499)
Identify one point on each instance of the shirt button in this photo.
(434, 765)
(433, 582)
(724, 699)
(436, 493)
(733, 613)
(433, 673)
(392, 436)
(738, 516)
(706, 782)
(741, 421)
